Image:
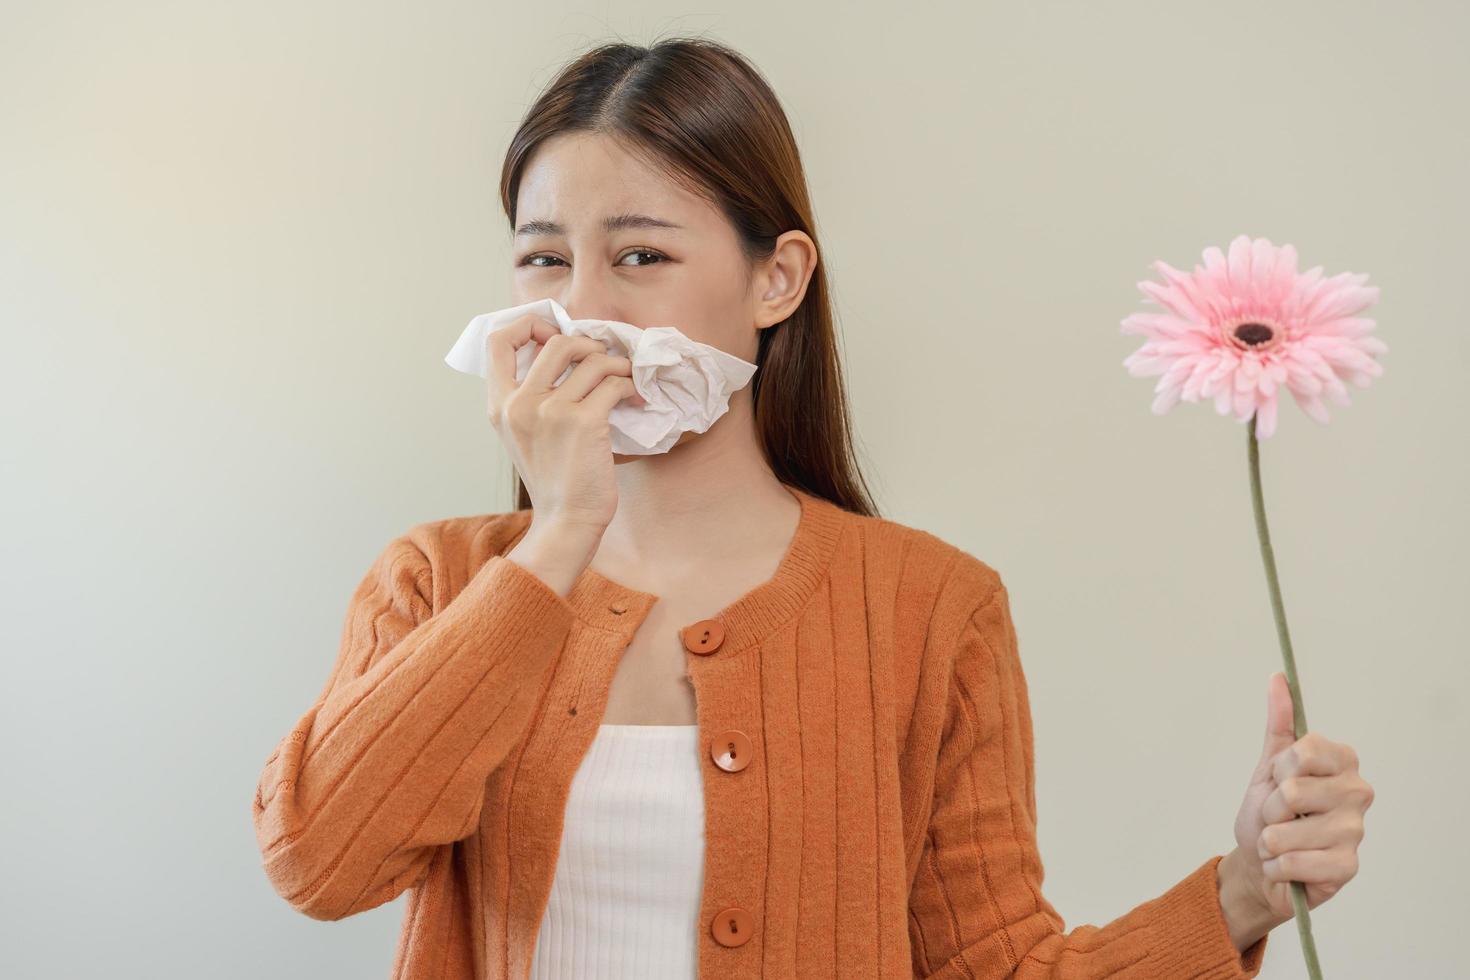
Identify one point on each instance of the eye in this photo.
(644, 251)
(530, 260)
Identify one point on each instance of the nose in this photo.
(589, 296)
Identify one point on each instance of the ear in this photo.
(781, 280)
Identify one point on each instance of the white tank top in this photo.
(624, 902)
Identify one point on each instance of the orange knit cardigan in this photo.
(880, 824)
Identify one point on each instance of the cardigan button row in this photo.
(731, 750)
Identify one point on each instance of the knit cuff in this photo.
(516, 594)
(1190, 937)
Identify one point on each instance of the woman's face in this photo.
(609, 237)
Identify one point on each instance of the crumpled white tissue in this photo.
(687, 384)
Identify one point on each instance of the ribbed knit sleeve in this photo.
(390, 763)
(977, 909)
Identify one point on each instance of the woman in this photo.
(705, 713)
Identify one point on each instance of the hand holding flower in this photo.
(1302, 817)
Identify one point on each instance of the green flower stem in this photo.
(1299, 713)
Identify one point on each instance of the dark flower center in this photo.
(1252, 334)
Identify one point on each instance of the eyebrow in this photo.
(616, 222)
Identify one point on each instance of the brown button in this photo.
(731, 750)
(704, 636)
(733, 927)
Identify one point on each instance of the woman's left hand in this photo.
(1302, 818)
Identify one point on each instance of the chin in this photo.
(683, 438)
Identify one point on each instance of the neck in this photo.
(712, 497)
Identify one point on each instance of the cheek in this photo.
(735, 336)
(708, 305)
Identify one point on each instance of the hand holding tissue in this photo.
(687, 384)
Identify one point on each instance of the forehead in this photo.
(577, 178)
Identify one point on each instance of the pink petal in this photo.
(1304, 382)
(1313, 407)
(1167, 296)
(1222, 400)
(1240, 264)
(1302, 291)
(1145, 365)
(1216, 271)
(1263, 266)
(1245, 403)
(1286, 265)
(1156, 325)
(1322, 294)
(1193, 386)
(1176, 373)
(1342, 300)
(1190, 300)
(1266, 417)
(1348, 326)
(1166, 400)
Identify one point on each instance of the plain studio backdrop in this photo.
(236, 242)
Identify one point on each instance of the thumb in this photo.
(1280, 717)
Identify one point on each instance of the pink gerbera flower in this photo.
(1239, 328)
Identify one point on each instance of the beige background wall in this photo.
(236, 241)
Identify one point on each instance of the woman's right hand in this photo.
(558, 437)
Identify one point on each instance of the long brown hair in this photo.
(704, 115)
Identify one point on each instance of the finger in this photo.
(503, 343)
(1311, 755)
(588, 373)
(553, 359)
(1332, 865)
(1280, 728)
(1313, 832)
(1307, 794)
(608, 392)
